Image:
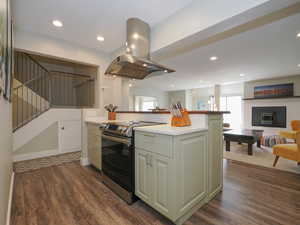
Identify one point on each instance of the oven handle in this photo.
(116, 139)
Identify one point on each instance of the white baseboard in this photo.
(35, 155)
(11, 189)
(84, 161)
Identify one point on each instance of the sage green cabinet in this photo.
(143, 175)
(94, 145)
(153, 179)
(215, 155)
(172, 177)
(162, 179)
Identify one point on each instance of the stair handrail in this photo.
(29, 56)
(83, 82)
(71, 74)
(30, 81)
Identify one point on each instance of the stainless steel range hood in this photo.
(136, 62)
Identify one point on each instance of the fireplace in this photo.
(269, 116)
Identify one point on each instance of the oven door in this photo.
(118, 160)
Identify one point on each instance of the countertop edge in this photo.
(167, 112)
(99, 121)
(171, 132)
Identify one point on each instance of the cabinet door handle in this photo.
(62, 128)
(147, 160)
(150, 160)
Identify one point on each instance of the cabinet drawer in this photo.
(157, 143)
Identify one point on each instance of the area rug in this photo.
(261, 157)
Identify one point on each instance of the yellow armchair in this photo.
(288, 151)
(295, 124)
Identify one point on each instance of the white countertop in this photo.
(169, 130)
(159, 129)
(99, 120)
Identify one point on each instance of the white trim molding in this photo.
(11, 190)
(84, 161)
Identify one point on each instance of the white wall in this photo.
(177, 96)
(189, 99)
(162, 96)
(37, 126)
(112, 91)
(5, 156)
(226, 90)
(47, 140)
(232, 89)
(292, 105)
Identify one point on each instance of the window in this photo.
(145, 103)
(234, 105)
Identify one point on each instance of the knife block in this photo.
(183, 121)
(112, 115)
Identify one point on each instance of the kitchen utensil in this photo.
(180, 116)
(111, 108)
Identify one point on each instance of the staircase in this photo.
(31, 90)
(36, 90)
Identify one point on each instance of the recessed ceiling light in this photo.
(298, 35)
(57, 23)
(135, 36)
(130, 85)
(145, 65)
(242, 75)
(165, 71)
(114, 76)
(213, 58)
(132, 46)
(127, 49)
(298, 65)
(100, 38)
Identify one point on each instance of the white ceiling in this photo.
(85, 19)
(269, 51)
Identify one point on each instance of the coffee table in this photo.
(243, 136)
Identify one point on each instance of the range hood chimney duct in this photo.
(136, 63)
(138, 38)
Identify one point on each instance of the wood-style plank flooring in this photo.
(73, 195)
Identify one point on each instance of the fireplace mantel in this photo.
(247, 99)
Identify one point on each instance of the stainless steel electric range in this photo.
(118, 157)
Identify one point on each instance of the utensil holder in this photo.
(112, 115)
(182, 121)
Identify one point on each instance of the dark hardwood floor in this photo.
(73, 195)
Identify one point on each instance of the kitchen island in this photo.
(177, 169)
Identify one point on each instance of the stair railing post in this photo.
(50, 89)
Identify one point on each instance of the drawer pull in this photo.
(149, 135)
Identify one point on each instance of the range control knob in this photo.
(124, 130)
